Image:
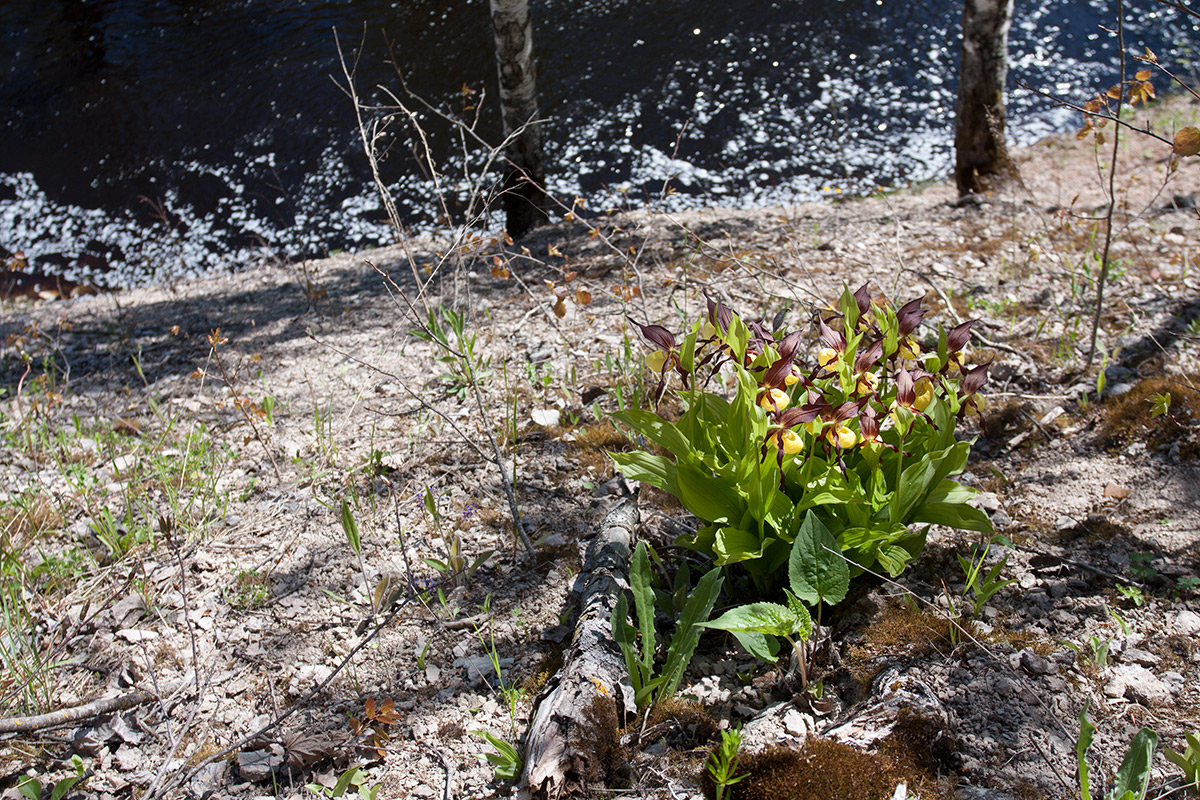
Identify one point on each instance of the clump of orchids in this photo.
(870, 373)
(856, 427)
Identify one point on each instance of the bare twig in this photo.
(1112, 192)
(1116, 119)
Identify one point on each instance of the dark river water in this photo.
(148, 139)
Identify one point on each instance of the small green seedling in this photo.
(978, 590)
(354, 778)
(505, 760)
(1188, 760)
(722, 763)
(32, 788)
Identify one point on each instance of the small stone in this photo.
(988, 501)
(1001, 520)
(1136, 655)
(795, 724)
(1187, 623)
(1063, 618)
(1136, 683)
(1034, 664)
(257, 766)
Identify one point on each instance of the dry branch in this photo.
(96, 708)
(564, 746)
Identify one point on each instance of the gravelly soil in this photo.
(252, 609)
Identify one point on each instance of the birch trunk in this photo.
(525, 174)
(979, 144)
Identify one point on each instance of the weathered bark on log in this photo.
(569, 740)
(525, 175)
(980, 150)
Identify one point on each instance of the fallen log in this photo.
(574, 739)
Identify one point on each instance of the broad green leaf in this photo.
(736, 338)
(343, 783)
(687, 631)
(350, 527)
(1086, 731)
(710, 498)
(1133, 777)
(770, 619)
(658, 430)
(734, 544)
(764, 648)
(893, 558)
(626, 638)
(1188, 760)
(655, 470)
(643, 601)
(816, 570)
(953, 515)
(849, 308)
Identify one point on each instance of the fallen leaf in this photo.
(1115, 490)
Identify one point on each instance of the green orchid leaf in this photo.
(770, 619)
(657, 430)
(735, 544)
(655, 470)
(893, 558)
(952, 515)
(764, 648)
(708, 497)
(816, 570)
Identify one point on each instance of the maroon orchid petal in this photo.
(759, 332)
(848, 410)
(831, 338)
(657, 335)
(974, 379)
(906, 392)
(790, 345)
(868, 423)
(719, 314)
(775, 375)
(959, 336)
(909, 316)
(863, 298)
(868, 357)
(799, 415)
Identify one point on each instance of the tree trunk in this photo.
(525, 174)
(980, 149)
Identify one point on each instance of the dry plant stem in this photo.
(1112, 195)
(389, 202)
(238, 403)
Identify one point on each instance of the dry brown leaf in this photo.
(1187, 142)
(1116, 491)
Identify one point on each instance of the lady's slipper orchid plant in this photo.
(855, 429)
